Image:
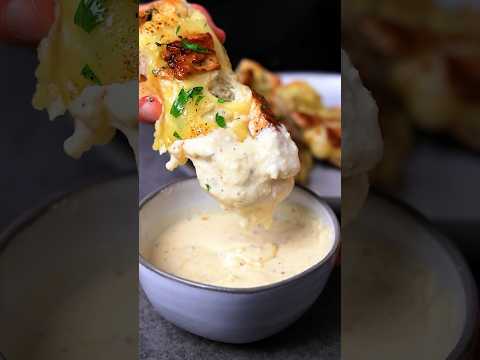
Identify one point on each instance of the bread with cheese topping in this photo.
(90, 70)
(183, 62)
(242, 155)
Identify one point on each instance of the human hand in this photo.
(25, 21)
(151, 107)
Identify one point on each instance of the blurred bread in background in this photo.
(421, 60)
(315, 127)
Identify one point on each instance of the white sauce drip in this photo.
(251, 177)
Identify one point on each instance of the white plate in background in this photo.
(325, 179)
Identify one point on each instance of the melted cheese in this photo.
(98, 111)
(211, 248)
(68, 48)
(111, 52)
(197, 118)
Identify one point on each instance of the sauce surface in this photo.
(213, 248)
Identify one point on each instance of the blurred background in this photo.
(35, 167)
(421, 60)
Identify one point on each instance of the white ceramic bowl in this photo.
(225, 314)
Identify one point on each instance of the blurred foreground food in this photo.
(421, 61)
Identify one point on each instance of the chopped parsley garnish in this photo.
(183, 97)
(88, 73)
(177, 30)
(177, 135)
(194, 47)
(196, 91)
(221, 101)
(89, 14)
(199, 98)
(220, 120)
(208, 187)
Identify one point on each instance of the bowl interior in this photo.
(186, 198)
(63, 273)
(406, 292)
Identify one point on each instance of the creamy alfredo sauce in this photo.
(251, 177)
(213, 248)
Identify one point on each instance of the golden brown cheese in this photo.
(179, 50)
(184, 61)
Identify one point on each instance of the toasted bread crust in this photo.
(258, 78)
(261, 115)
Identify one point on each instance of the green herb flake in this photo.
(177, 30)
(220, 120)
(181, 101)
(221, 101)
(208, 187)
(89, 14)
(199, 98)
(197, 90)
(88, 73)
(194, 47)
(177, 135)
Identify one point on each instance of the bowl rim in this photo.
(31, 214)
(250, 290)
(472, 315)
